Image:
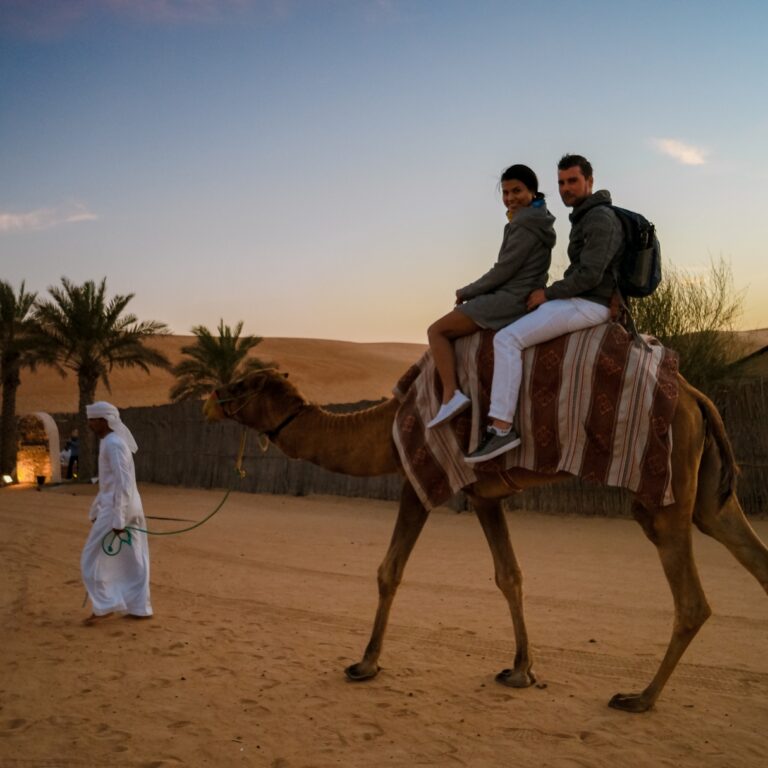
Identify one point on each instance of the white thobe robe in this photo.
(119, 582)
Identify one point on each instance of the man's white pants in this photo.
(548, 321)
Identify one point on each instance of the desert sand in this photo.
(258, 611)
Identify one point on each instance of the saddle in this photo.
(592, 404)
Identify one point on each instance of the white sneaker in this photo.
(448, 410)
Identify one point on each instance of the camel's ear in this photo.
(285, 375)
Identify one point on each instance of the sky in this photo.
(329, 168)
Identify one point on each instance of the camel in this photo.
(704, 484)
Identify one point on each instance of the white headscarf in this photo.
(104, 410)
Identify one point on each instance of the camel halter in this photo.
(275, 431)
(269, 434)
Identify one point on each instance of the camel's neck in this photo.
(357, 443)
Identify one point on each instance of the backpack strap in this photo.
(625, 314)
(626, 319)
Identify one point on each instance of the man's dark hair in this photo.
(568, 161)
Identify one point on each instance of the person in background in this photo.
(73, 446)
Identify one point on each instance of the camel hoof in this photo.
(515, 679)
(357, 673)
(630, 702)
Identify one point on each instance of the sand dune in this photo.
(259, 611)
(325, 371)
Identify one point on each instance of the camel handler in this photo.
(119, 582)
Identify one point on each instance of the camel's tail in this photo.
(718, 438)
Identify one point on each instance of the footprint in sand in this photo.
(18, 724)
(214, 671)
(66, 721)
(251, 705)
(108, 733)
(179, 724)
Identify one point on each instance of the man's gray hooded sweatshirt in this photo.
(498, 297)
(596, 241)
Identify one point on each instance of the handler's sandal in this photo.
(452, 408)
(494, 445)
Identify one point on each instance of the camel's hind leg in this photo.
(725, 520)
(669, 528)
(410, 521)
(510, 582)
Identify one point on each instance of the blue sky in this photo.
(328, 168)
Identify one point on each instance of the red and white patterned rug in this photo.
(592, 404)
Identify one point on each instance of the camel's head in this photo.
(261, 399)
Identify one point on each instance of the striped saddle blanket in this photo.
(592, 404)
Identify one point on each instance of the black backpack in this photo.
(638, 269)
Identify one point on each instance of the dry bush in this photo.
(695, 315)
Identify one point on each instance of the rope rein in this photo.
(113, 541)
(125, 537)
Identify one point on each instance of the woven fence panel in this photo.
(744, 407)
(178, 447)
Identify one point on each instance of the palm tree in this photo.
(21, 346)
(213, 361)
(92, 336)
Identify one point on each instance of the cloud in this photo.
(686, 154)
(44, 218)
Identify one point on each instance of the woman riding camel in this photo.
(499, 296)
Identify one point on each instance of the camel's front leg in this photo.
(509, 580)
(669, 529)
(410, 521)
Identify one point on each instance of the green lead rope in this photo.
(109, 547)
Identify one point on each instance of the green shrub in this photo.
(694, 315)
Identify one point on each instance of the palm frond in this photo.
(213, 360)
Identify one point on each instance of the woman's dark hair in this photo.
(524, 174)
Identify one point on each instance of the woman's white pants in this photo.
(548, 321)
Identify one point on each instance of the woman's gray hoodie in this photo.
(498, 297)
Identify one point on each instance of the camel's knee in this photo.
(388, 580)
(691, 619)
(509, 579)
